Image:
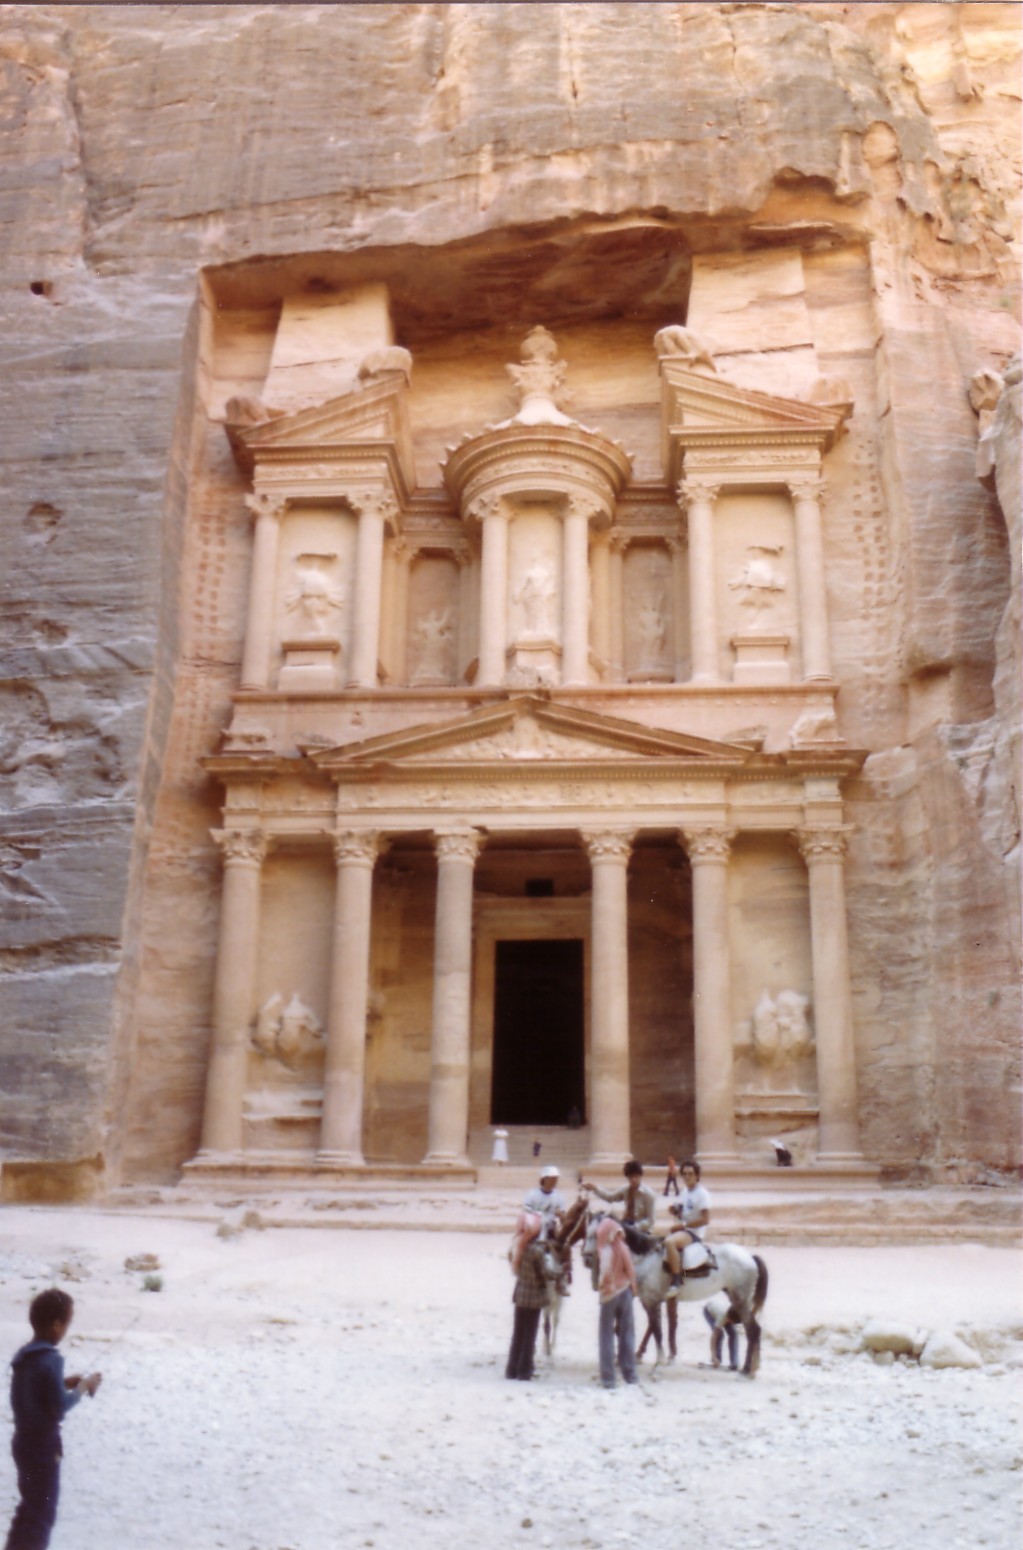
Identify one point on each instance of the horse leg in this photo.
(653, 1313)
(752, 1362)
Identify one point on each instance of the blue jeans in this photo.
(38, 1464)
(616, 1320)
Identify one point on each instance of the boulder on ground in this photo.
(945, 1349)
(889, 1335)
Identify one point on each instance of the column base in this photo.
(456, 1163)
(711, 1157)
(605, 1160)
(340, 1160)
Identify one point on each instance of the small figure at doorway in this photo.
(575, 1118)
(782, 1155)
(671, 1178)
(536, 1148)
(500, 1153)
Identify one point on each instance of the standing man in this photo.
(616, 1284)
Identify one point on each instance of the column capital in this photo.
(457, 844)
(822, 844)
(249, 845)
(806, 487)
(377, 503)
(402, 550)
(608, 844)
(261, 503)
(709, 844)
(484, 507)
(356, 846)
(583, 506)
(692, 488)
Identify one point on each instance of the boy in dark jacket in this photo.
(41, 1396)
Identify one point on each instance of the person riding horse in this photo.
(639, 1202)
(692, 1209)
(549, 1204)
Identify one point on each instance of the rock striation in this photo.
(826, 195)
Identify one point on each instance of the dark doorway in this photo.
(538, 1033)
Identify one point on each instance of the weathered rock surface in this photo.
(163, 167)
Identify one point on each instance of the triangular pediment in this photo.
(701, 409)
(372, 419)
(530, 730)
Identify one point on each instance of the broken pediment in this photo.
(704, 411)
(530, 730)
(371, 422)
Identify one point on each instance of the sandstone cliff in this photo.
(160, 163)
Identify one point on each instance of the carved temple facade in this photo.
(533, 787)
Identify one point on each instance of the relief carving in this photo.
(759, 580)
(651, 630)
(781, 1028)
(535, 598)
(313, 596)
(289, 1033)
(433, 641)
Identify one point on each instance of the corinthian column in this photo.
(698, 499)
(708, 851)
(575, 627)
(452, 970)
(493, 635)
(268, 511)
(343, 1078)
(813, 610)
(372, 512)
(234, 988)
(823, 851)
(609, 996)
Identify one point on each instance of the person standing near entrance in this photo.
(529, 1296)
(616, 1284)
(639, 1202)
(671, 1177)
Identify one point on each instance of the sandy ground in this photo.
(304, 1389)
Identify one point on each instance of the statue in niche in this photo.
(287, 1033)
(759, 579)
(433, 635)
(781, 1028)
(535, 597)
(651, 627)
(312, 598)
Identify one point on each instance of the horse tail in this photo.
(760, 1294)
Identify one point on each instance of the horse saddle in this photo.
(697, 1260)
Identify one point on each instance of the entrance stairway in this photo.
(567, 1149)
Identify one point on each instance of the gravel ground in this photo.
(318, 1390)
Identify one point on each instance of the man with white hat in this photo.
(548, 1202)
(546, 1198)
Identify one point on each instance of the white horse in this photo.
(742, 1276)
